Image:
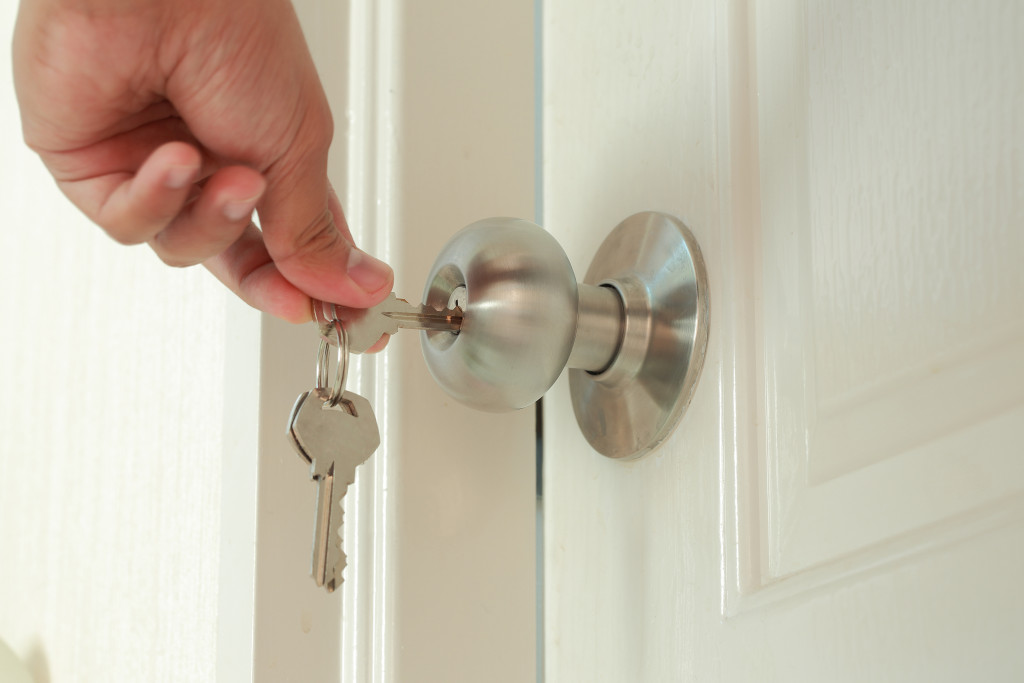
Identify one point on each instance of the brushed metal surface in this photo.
(519, 319)
(652, 260)
(634, 334)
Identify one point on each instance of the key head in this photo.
(366, 326)
(344, 435)
(292, 436)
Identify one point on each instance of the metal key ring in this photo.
(341, 366)
(321, 311)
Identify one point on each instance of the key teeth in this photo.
(337, 577)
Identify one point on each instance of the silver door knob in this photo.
(634, 333)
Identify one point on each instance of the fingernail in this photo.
(370, 274)
(240, 210)
(180, 176)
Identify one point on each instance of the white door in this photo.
(844, 499)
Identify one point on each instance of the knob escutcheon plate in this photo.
(653, 261)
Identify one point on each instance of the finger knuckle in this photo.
(172, 252)
(320, 236)
(130, 228)
(316, 131)
(175, 261)
(321, 124)
(125, 235)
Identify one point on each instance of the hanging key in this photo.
(366, 326)
(334, 431)
(334, 440)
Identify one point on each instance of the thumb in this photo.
(306, 235)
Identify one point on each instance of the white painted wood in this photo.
(434, 129)
(239, 477)
(296, 632)
(891, 233)
(843, 500)
(453, 141)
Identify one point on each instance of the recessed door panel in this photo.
(890, 158)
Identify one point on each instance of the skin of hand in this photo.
(170, 121)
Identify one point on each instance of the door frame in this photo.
(441, 541)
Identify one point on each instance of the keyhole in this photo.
(458, 298)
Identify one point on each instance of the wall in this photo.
(112, 375)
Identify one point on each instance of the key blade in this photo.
(322, 530)
(361, 439)
(426, 318)
(329, 565)
(329, 560)
(364, 327)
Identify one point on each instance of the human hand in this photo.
(169, 121)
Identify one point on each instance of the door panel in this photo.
(890, 246)
(843, 499)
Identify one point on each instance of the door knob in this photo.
(633, 333)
